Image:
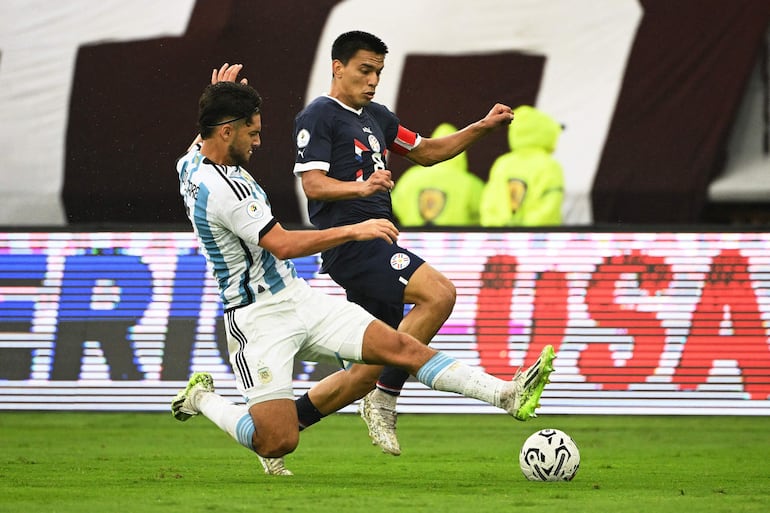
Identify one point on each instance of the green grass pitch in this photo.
(148, 462)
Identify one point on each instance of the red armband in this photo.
(405, 141)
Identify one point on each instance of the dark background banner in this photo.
(686, 75)
(132, 107)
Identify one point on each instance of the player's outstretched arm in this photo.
(318, 186)
(432, 151)
(298, 243)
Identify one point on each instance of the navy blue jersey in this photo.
(349, 145)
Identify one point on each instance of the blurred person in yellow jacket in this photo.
(526, 185)
(445, 194)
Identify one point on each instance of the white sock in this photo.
(442, 372)
(233, 419)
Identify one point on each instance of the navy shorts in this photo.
(374, 275)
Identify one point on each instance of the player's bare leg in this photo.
(433, 297)
(344, 387)
(238, 420)
(519, 397)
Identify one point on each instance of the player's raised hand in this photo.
(227, 73)
(376, 229)
(379, 181)
(499, 115)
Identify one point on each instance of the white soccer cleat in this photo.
(274, 466)
(185, 404)
(521, 397)
(378, 410)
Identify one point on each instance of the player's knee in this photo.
(444, 296)
(438, 295)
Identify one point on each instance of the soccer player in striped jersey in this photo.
(343, 140)
(271, 315)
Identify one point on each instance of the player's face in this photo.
(246, 139)
(356, 82)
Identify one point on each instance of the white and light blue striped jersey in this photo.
(229, 213)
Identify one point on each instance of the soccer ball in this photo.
(549, 455)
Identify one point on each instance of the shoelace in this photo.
(275, 466)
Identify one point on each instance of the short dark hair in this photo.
(225, 102)
(346, 45)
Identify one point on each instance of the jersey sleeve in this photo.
(246, 216)
(313, 140)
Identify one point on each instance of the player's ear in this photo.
(337, 68)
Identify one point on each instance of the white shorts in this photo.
(264, 338)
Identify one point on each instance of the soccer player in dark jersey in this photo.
(271, 315)
(343, 142)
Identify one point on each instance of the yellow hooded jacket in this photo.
(445, 194)
(526, 185)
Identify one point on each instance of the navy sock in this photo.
(392, 380)
(307, 413)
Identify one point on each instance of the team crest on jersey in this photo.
(374, 144)
(254, 210)
(431, 203)
(264, 374)
(399, 261)
(517, 189)
(303, 138)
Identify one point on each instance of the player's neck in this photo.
(345, 103)
(344, 98)
(216, 153)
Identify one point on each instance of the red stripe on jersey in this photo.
(361, 146)
(405, 141)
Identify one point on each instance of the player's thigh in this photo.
(428, 285)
